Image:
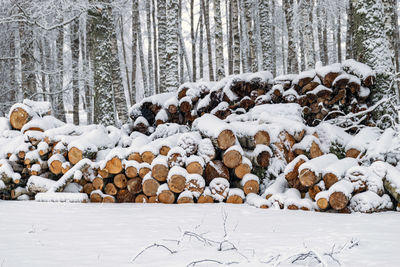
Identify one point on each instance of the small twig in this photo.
(194, 263)
(151, 246)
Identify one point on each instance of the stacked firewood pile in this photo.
(234, 141)
(324, 93)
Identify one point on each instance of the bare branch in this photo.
(152, 246)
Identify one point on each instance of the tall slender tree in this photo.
(219, 41)
(236, 36)
(100, 30)
(149, 49)
(205, 4)
(172, 41)
(162, 39)
(292, 67)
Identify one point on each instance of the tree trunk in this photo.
(153, 16)
(292, 55)
(172, 41)
(149, 48)
(75, 70)
(266, 35)
(146, 88)
(236, 36)
(206, 11)
(219, 42)
(372, 47)
(162, 39)
(118, 89)
(193, 40)
(100, 29)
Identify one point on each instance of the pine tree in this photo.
(172, 41)
(100, 31)
(372, 47)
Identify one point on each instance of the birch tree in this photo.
(219, 42)
(172, 41)
(292, 54)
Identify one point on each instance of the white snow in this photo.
(62, 197)
(49, 232)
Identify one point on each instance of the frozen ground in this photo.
(57, 234)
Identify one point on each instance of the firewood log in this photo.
(98, 183)
(164, 195)
(159, 168)
(124, 196)
(340, 194)
(233, 156)
(134, 185)
(195, 165)
(75, 155)
(20, 114)
(310, 172)
(150, 185)
(176, 157)
(88, 188)
(219, 188)
(235, 196)
(214, 169)
(195, 183)
(96, 196)
(109, 199)
(141, 198)
(177, 179)
(148, 156)
(55, 163)
(313, 191)
(120, 181)
(136, 157)
(114, 165)
(218, 131)
(144, 169)
(243, 168)
(185, 197)
(206, 197)
(250, 184)
(131, 168)
(110, 189)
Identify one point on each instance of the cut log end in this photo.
(177, 183)
(226, 139)
(114, 166)
(74, 155)
(241, 170)
(251, 186)
(134, 185)
(330, 179)
(262, 138)
(232, 159)
(307, 178)
(18, 118)
(194, 168)
(234, 200)
(338, 200)
(166, 197)
(205, 199)
(150, 187)
(160, 172)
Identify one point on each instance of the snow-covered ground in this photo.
(59, 234)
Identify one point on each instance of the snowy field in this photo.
(58, 234)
